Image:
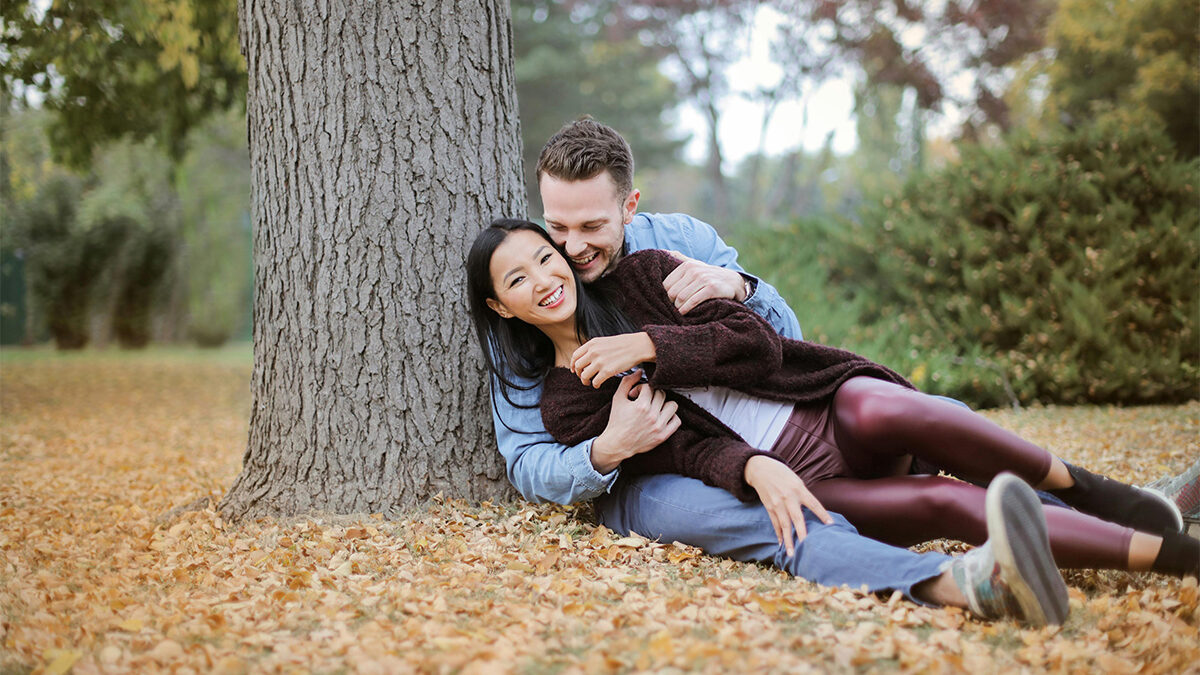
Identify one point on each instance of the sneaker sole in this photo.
(1168, 502)
(1017, 530)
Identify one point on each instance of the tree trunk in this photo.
(383, 136)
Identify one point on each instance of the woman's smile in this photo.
(553, 299)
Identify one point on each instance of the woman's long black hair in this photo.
(511, 346)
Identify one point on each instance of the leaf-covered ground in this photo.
(96, 576)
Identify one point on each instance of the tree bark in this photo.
(383, 136)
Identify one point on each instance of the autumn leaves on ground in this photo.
(96, 575)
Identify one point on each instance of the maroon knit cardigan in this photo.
(719, 342)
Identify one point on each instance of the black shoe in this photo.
(1103, 497)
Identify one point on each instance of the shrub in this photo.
(66, 259)
(1068, 263)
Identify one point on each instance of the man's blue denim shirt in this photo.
(543, 470)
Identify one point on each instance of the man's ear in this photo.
(499, 308)
(629, 207)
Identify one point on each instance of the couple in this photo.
(573, 322)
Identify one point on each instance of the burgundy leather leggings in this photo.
(876, 422)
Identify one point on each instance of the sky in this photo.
(831, 108)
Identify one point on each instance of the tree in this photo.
(382, 137)
(568, 63)
(112, 69)
(1138, 59)
(926, 46)
(702, 38)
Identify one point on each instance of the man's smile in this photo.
(583, 262)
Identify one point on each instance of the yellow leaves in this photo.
(59, 661)
(132, 625)
(461, 587)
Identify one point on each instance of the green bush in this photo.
(1068, 265)
(798, 260)
(66, 259)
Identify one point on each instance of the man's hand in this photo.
(693, 282)
(635, 425)
(783, 493)
(601, 358)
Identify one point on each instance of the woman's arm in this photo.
(718, 342)
(701, 448)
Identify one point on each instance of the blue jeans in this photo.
(674, 508)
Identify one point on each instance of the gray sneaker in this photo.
(1013, 574)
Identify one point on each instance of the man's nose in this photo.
(574, 245)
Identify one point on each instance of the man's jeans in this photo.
(673, 508)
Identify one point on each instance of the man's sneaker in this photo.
(1013, 574)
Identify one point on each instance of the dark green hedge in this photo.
(1068, 263)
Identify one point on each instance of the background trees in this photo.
(933, 84)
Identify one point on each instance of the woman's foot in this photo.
(1013, 574)
(1143, 510)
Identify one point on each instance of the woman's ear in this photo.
(499, 308)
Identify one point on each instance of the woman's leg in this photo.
(875, 421)
(906, 510)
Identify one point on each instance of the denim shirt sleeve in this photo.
(697, 239)
(539, 467)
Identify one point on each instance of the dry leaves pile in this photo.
(93, 578)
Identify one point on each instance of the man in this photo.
(585, 175)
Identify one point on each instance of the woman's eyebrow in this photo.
(511, 272)
(518, 268)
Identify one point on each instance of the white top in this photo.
(757, 420)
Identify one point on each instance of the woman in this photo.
(784, 421)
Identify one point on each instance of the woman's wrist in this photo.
(648, 352)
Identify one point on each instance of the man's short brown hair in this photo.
(584, 148)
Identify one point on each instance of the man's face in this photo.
(587, 218)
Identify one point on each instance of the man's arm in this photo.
(542, 469)
(697, 239)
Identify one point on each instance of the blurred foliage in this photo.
(214, 189)
(138, 242)
(569, 64)
(131, 198)
(1129, 59)
(66, 259)
(122, 68)
(924, 46)
(1068, 262)
(798, 260)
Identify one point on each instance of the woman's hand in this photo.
(783, 493)
(601, 358)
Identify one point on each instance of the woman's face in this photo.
(532, 281)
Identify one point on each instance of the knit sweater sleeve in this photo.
(719, 342)
(700, 448)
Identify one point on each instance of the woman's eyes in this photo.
(517, 280)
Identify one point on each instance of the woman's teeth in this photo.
(553, 297)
